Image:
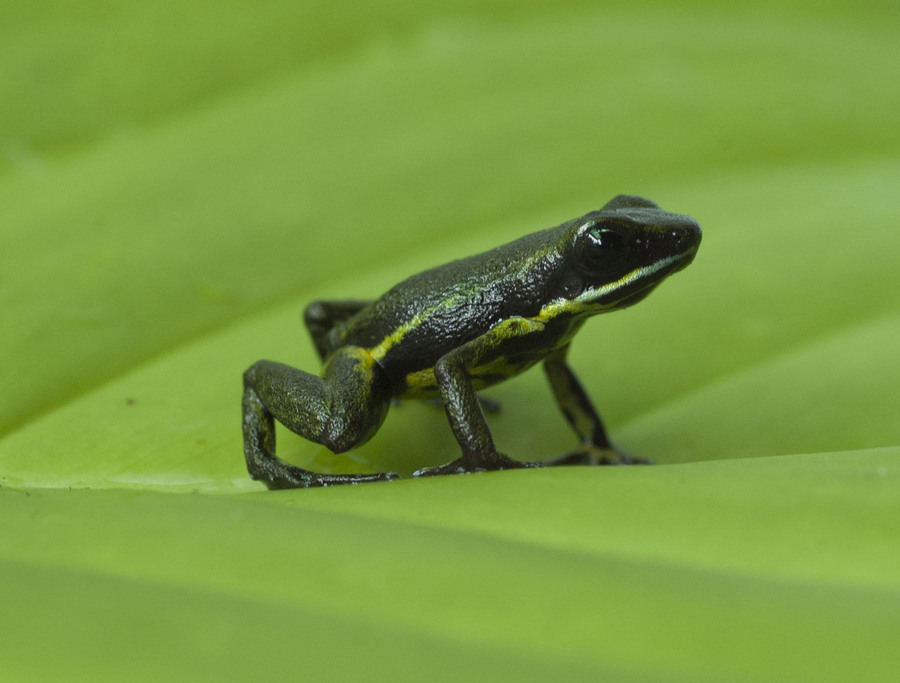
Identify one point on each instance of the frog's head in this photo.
(621, 252)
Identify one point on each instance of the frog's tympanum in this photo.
(453, 330)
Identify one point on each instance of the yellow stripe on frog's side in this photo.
(421, 380)
(379, 351)
(583, 303)
(423, 383)
(491, 368)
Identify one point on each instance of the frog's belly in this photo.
(422, 383)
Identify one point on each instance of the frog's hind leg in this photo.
(339, 410)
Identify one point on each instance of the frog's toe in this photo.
(598, 456)
(346, 479)
(366, 478)
(291, 477)
(467, 465)
(441, 470)
(573, 458)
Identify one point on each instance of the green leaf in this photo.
(176, 183)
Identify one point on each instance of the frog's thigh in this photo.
(339, 410)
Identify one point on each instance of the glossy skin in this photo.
(461, 327)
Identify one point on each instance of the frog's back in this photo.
(433, 312)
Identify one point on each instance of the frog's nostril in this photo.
(685, 237)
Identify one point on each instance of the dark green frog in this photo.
(453, 330)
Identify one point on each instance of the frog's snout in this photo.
(685, 239)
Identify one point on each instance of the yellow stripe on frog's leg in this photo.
(461, 402)
(579, 411)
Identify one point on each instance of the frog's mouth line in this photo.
(637, 284)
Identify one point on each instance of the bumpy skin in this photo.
(458, 328)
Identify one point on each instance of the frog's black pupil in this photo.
(605, 251)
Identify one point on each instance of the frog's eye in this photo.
(604, 249)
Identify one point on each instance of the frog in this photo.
(452, 331)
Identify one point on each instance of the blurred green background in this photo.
(177, 181)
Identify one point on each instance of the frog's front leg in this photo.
(464, 409)
(579, 411)
(339, 410)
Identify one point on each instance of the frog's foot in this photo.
(280, 475)
(470, 463)
(595, 455)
